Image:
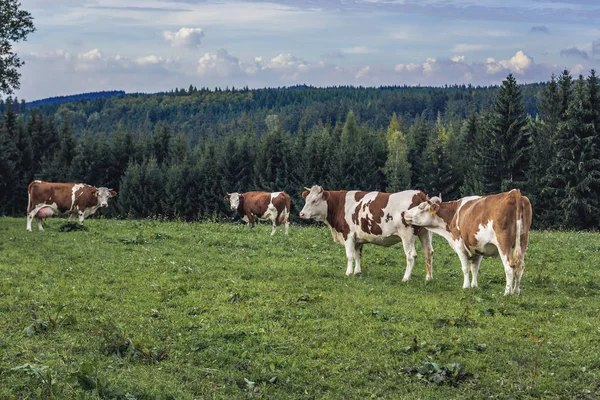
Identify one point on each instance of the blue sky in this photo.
(157, 45)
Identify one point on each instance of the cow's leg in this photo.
(275, 223)
(71, 216)
(286, 220)
(30, 220)
(425, 238)
(464, 262)
(357, 257)
(509, 272)
(408, 242)
(39, 224)
(350, 250)
(518, 275)
(475, 262)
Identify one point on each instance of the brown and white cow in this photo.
(356, 218)
(481, 226)
(274, 207)
(47, 199)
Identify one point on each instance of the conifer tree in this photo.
(575, 173)
(439, 169)
(9, 159)
(509, 167)
(397, 168)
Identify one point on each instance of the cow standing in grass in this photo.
(356, 218)
(47, 199)
(481, 226)
(274, 207)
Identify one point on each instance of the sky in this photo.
(157, 45)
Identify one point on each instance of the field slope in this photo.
(146, 309)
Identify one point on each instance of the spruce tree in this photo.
(575, 173)
(509, 168)
(439, 169)
(9, 158)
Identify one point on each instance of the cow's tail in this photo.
(518, 254)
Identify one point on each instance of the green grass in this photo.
(147, 309)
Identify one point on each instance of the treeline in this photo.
(552, 156)
(203, 113)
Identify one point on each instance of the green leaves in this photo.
(452, 374)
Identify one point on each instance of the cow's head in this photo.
(103, 194)
(234, 200)
(315, 206)
(425, 214)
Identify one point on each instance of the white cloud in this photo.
(363, 73)
(577, 69)
(519, 63)
(184, 37)
(399, 67)
(220, 63)
(358, 50)
(458, 58)
(147, 60)
(465, 48)
(91, 55)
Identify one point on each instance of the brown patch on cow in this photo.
(336, 215)
(359, 195)
(376, 208)
(417, 199)
(447, 212)
(281, 202)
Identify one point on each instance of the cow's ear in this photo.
(434, 208)
(305, 193)
(226, 197)
(95, 192)
(113, 193)
(325, 195)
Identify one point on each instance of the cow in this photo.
(356, 218)
(274, 207)
(481, 226)
(47, 199)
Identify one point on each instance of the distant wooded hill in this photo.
(75, 97)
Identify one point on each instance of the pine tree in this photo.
(419, 135)
(470, 140)
(439, 169)
(509, 168)
(575, 173)
(9, 159)
(397, 168)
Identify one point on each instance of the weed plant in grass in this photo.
(146, 309)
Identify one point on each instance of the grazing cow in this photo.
(46, 199)
(481, 226)
(274, 207)
(356, 218)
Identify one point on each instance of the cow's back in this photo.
(50, 193)
(374, 214)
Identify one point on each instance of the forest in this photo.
(174, 155)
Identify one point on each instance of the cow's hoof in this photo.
(429, 278)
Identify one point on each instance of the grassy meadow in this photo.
(173, 310)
